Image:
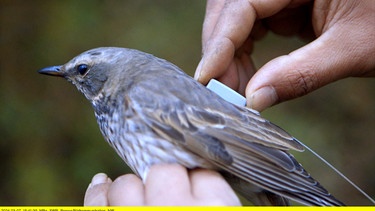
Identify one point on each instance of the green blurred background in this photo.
(50, 144)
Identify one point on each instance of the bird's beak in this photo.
(53, 71)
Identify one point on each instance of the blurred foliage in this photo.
(50, 144)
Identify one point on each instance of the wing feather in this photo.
(233, 138)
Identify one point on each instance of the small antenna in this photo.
(339, 173)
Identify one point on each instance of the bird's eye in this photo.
(82, 69)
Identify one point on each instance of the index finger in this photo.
(226, 28)
(213, 10)
(228, 32)
(167, 184)
(210, 187)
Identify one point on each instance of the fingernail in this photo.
(262, 98)
(198, 70)
(99, 178)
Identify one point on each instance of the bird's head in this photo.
(93, 70)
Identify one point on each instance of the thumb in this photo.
(333, 56)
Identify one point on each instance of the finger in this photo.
(238, 73)
(126, 190)
(231, 29)
(331, 57)
(213, 10)
(96, 193)
(231, 77)
(228, 34)
(203, 183)
(167, 185)
(246, 70)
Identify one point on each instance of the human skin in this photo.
(167, 185)
(342, 35)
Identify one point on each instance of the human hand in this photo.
(166, 185)
(344, 46)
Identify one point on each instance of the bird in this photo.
(151, 112)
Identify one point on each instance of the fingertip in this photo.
(167, 185)
(217, 57)
(283, 78)
(206, 70)
(100, 178)
(126, 179)
(126, 190)
(201, 178)
(197, 73)
(262, 98)
(96, 193)
(165, 173)
(211, 186)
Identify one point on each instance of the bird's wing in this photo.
(233, 138)
(190, 102)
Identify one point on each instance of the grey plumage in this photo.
(151, 112)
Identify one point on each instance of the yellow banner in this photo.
(77, 208)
